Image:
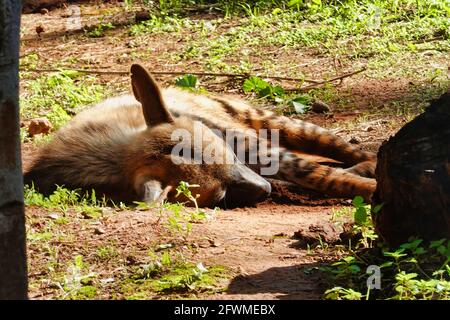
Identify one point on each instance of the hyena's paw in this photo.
(364, 169)
(369, 190)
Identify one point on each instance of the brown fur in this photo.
(123, 150)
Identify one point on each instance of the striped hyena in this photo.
(140, 148)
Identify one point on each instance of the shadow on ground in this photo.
(296, 282)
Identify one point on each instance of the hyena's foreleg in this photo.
(331, 181)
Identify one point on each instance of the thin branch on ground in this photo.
(320, 83)
(163, 73)
(315, 83)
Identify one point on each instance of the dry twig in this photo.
(314, 83)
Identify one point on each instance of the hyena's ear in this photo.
(147, 92)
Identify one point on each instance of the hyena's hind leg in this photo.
(296, 134)
(309, 138)
(331, 181)
(363, 169)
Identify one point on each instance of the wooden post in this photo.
(34, 5)
(413, 178)
(13, 267)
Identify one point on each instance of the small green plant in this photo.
(106, 252)
(301, 104)
(179, 217)
(363, 221)
(413, 271)
(58, 116)
(99, 30)
(78, 280)
(39, 236)
(188, 82)
(263, 89)
(339, 293)
(184, 188)
(178, 221)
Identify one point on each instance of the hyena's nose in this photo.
(247, 188)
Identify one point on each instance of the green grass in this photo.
(64, 199)
(58, 96)
(172, 274)
(408, 39)
(352, 29)
(162, 24)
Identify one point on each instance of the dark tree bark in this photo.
(35, 5)
(413, 176)
(13, 267)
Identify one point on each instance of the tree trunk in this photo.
(413, 176)
(35, 5)
(13, 267)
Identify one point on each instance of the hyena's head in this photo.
(175, 149)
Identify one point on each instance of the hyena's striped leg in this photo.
(296, 134)
(363, 169)
(312, 139)
(331, 181)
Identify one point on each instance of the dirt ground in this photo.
(257, 244)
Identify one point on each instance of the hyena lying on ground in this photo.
(134, 153)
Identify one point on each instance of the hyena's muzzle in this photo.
(246, 188)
